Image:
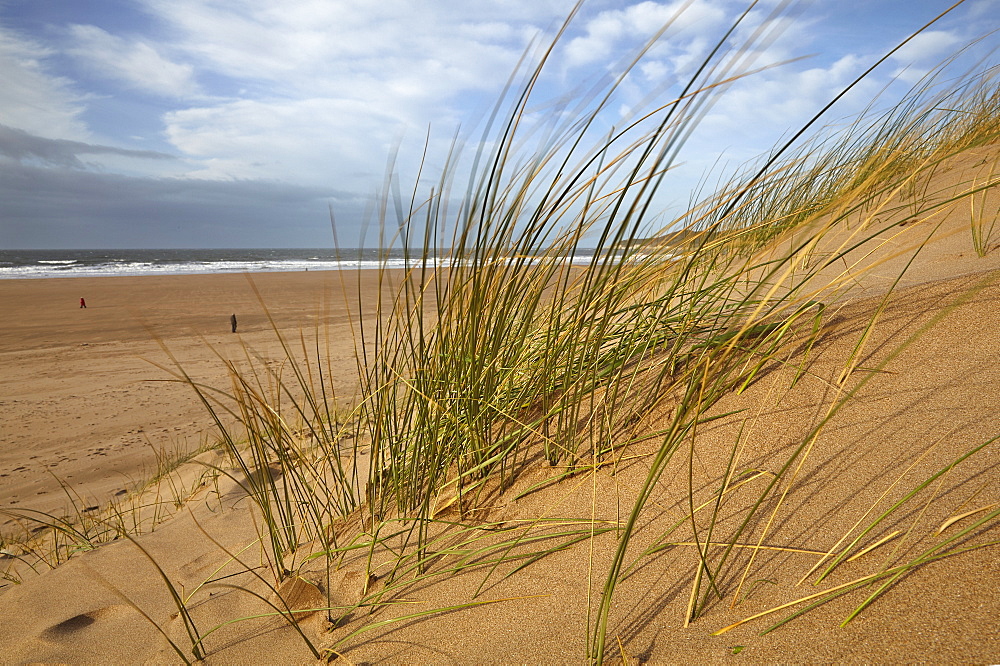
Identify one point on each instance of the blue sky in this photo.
(238, 123)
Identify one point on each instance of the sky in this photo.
(243, 123)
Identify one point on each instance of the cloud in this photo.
(778, 100)
(922, 53)
(322, 90)
(928, 47)
(115, 211)
(605, 32)
(134, 62)
(31, 97)
(313, 47)
(310, 141)
(301, 97)
(981, 9)
(759, 113)
(21, 146)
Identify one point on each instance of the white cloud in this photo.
(135, 62)
(308, 45)
(330, 87)
(691, 54)
(783, 98)
(318, 92)
(327, 88)
(654, 70)
(33, 99)
(606, 31)
(983, 9)
(758, 113)
(922, 53)
(927, 48)
(312, 141)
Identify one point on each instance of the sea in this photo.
(100, 263)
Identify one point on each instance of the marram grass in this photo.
(497, 356)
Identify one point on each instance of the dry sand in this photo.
(84, 404)
(76, 402)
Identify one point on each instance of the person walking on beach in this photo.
(83, 303)
(232, 320)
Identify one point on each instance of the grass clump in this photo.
(499, 356)
(512, 357)
(45, 540)
(982, 214)
(500, 364)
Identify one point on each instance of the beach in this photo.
(88, 395)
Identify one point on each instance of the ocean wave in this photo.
(106, 263)
(135, 268)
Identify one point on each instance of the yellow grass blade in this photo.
(875, 545)
(954, 519)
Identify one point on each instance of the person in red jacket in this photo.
(83, 303)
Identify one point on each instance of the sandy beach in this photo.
(84, 401)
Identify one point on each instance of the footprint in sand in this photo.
(76, 627)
